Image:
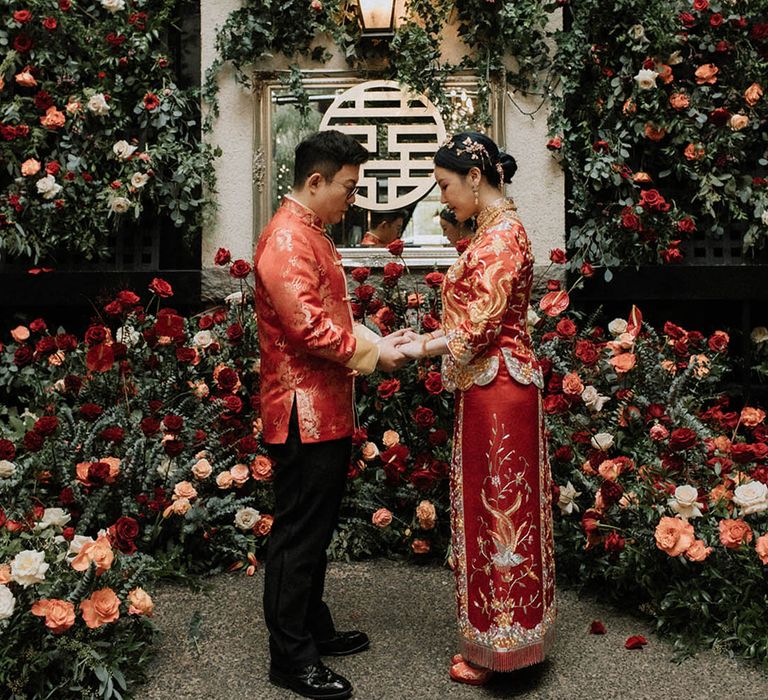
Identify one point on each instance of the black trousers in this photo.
(309, 482)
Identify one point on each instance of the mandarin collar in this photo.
(304, 213)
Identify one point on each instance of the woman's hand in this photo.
(413, 349)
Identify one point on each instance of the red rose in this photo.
(611, 491)
(23, 43)
(686, 225)
(235, 333)
(128, 298)
(434, 279)
(396, 247)
(173, 423)
(636, 642)
(149, 426)
(96, 334)
(557, 256)
(91, 411)
(652, 199)
(7, 450)
(68, 533)
(53, 168)
(388, 388)
(360, 274)
(673, 331)
(113, 434)
(114, 308)
(554, 285)
(173, 448)
(601, 146)
(169, 325)
(590, 520)
(422, 479)
(32, 441)
(463, 244)
(682, 439)
(240, 269)
(424, 417)
(98, 472)
(22, 16)
(554, 404)
(46, 425)
(437, 437)
(392, 272)
(38, 325)
(700, 5)
(248, 445)
(566, 328)
(614, 543)
(364, 293)
(73, 384)
(50, 23)
(123, 533)
(23, 356)
(429, 323)
(151, 101)
(630, 221)
(222, 257)
(433, 383)
(186, 355)
(205, 322)
(555, 143)
(597, 627)
(564, 453)
(687, 19)
(46, 345)
(742, 453)
(227, 379)
(586, 351)
(718, 341)
(161, 288)
(719, 116)
(232, 403)
(65, 5)
(100, 358)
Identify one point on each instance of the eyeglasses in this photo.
(351, 191)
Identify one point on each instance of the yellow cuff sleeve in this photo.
(366, 356)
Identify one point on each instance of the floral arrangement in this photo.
(660, 127)
(95, 135)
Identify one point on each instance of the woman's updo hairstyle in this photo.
(471, 149)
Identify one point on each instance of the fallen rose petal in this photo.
(597, 627)
(635, 642)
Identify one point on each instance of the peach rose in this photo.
(629, 108)
(53, 119)
(587, 468)
(30, 167)
(610, 470)
(140, 603)
(761, 547)
(20, 334)
(202, 469)
(179, 507)
(101, 608)
(56, 359)
(264, 526)
(572, 385)
(674, 536)
(240, 473)
(698, 551)
(753, 94)
(258, 427)
(737, 122)
(114, 468)
(707, 74)
(381, 518)
(752, 417)
(26, 79)
(669, 366)
(5, 574)
(679, 101)
(665, 73)
(390, 439)
(369, 451)
(426, 515)
(720, 493)
(655, 133)
(624, 362)
(261, 468)
(642, 178)
(199, 388)
(700, 364)
(99, 553)
(73, 107)
(224, 480)
(734, 533)
(420, 546)
(184, 489)
(722, 444)
(59, 614)
(694, 151)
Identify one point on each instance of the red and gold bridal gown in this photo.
(501, 510)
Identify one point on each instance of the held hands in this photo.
(390, 357)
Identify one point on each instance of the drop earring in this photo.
(477, 199)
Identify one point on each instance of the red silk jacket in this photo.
(309, 350)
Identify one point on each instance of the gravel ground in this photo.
(213, 646)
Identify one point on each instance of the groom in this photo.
(310, 352)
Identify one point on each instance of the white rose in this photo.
(98, 105)
(568, 495)
(602, 441)
(202, 339)
(646, 79)
(531, 318)
(113, 5)
(48, 187)
(764, 217)
(165, 468)
(29, 567)
(593, 400)
(119, 205)
(53, 517)
(617, 326)
(759, 335)
(7, 469)
(77, 543)
(7, 602)
(751, 497)
(234, 298)
(636, 32)
(123, 150)
(246, 518)
(684, 502)
(127, 335)
(138, 180)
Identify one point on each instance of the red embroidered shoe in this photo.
(462, 672)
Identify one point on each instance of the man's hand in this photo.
(390, 357)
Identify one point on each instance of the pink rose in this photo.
(381, 518)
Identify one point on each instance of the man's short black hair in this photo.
(378, 218)
(326, 152)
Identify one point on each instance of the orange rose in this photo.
(59, 614)
(694, 151)
(734, 533)
(674, 536)
(390, 438)
(426, 515)
(240, 473)
(53, 119)
(5, 574)
(629, 108)
(101, 608)
(184, 489)
(264, 526)
(722, 444)
(369, 451)
(26, 79)
(610, 470)
(572, 385)
(98, 552)
(179, 507)
(665, 73)
(761, 547)
(641, 178)
(719, 494)
(707, 74)
(753, 94)
(224, 480)
(587, 468)
(30, 167)
(624, 362)
(653, 132)
(140, 603)
(261, 468)
(420, 546)
(381, 518)
(679, 101)
(698, 551)
(20, 334)
(752, 417)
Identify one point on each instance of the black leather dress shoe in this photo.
(344, 643)
(313, 681)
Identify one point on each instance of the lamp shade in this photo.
(377, 15)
